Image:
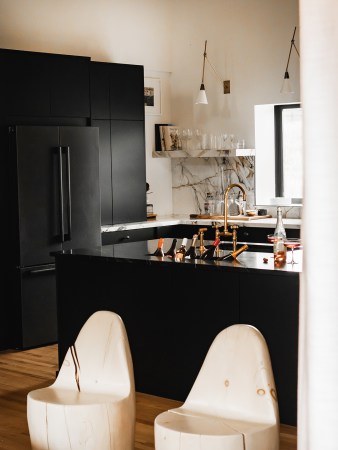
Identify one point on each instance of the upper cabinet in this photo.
(44, 84)
(117, 108)
(117, 91)
(69, 86)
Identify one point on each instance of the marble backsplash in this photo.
(193, 178)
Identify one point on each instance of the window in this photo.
(289, 152)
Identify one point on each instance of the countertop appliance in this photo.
(55, 205)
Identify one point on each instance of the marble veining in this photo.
(192, 178)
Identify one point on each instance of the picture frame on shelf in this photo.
(152, 96)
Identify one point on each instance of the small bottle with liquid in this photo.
(172, 250)
(192, 252)
(182, 250)
(209, 252)
(279, 249)
(159, 251)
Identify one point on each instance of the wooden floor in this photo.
(23, 371)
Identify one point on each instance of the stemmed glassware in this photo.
(232, 141)
(292, 243)
(186, 136)
(198, 136)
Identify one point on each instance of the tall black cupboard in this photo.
(44, 89)
(118, 110)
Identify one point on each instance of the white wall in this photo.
(248, 43)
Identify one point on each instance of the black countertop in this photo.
(140, 252)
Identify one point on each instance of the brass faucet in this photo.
(217, 236)
(201, 237)
(234, 228)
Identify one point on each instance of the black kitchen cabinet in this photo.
(118, 110)
(122, 171)
(44, 84)
(24, 83)
(256, 234)
(128, 171)
(35, 316)
(69, 86)
(169, 339)
(117, 91)
(119, 237)
(271, 304)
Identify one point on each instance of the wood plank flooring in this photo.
(23, 371)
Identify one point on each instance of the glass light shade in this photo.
(202, 96)
(286, 86)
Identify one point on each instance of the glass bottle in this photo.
(192, 252)
(172, 250)
(209, 252)
(279, 249)
(209, 204)
(181, 252)
(159, 251)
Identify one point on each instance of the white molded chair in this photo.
(232, 404)
(91, 404)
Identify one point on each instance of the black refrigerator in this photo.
(54, 206)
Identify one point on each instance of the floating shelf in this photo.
(204, 153)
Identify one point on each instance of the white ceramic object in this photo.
(91, 405)
(232, 404)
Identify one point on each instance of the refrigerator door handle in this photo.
(62, 230)
(68, 236)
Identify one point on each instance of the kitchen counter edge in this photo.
(162, 221)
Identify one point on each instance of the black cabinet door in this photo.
(271, 303)
(122, 237)
(116, 91)
(43, 84)
(24, 83)
(105, 171)
(128, 171)
(69, 80)
(126, 92)
(99, 90)
(38, 307)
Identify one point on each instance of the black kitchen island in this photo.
(173, 310)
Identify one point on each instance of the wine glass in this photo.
(271, 238)
(232, 141)
(186, 136)
(292, 243)
(198, 136)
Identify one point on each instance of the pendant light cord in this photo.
(292, 45)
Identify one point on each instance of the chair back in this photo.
(236, 378)
(100, 358)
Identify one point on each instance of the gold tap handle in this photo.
(201, 236)
(239, 251)
(217, 236)
(234, 236)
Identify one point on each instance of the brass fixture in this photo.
(244, 247)
(234, 228)
(201, 238)
(217, 236)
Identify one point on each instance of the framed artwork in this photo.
(152, 96)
